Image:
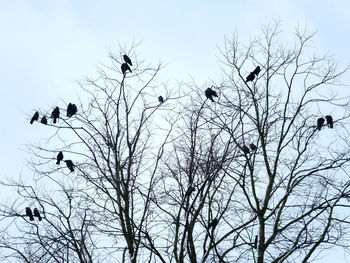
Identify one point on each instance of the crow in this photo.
(256, 70)
(35, 117)
(70, 165)
(59, 157)
(245, 149)
(125, 67)
(320, 122)
(37, 214)
(190, 190)
(250, 77)
(55, 114)
(127, 60)
(329, 121)
(44, 120)
(160, 99)
(213, 223)
(29, 213)
(71, 110)
(253, 147)
(209, 93)
(256, 242)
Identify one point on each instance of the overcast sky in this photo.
(46, 45)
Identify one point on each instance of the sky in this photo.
(46, 45)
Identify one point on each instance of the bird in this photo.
(55, 114)
(256, 70)
(256, 242)
(71, 110)
(213, 223)
(250, 77)
(70, 165)
(59, 157)
(35, 117)
(253, 147)
(125, 67)
(245, 149)
(329, 121)
(190, 190)
(209, 93)
(29, 213)
(320, 122)
(37, 214)
(127, 60)
(44, 120)
(160, 99)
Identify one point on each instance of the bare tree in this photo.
(251, 177)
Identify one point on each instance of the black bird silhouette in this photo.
(209, 93)
(44, 120)
(256, 242)
(160, 99)
(35, 117)
(55, 114)
(329, 121)
(245, 149)
(29, 213)
(127, 60)
(37, 214)
(59, 157)
(70, 165)
(124, 68)
(250, 77)
(253, 147)
(320, 122)
(190, 190)
(71, 110)
(213, 223)
(256, 70)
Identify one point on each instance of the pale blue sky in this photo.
(45, 45)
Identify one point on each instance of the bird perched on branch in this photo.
(35, 117)
(71, 110)
(209, 93)
(29, 213)
(55, 114)
(320, 122)
(329, 121)
(245, 149)
(127, 60)
(213, 223)
(160, 99)
(70, 165)
(125, 67)
(253, 147)
(250, 77)
(37, 214)
(59, 157)
(256, 70)
(44, 120)
(190, 190)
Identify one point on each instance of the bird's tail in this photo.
(58, 161)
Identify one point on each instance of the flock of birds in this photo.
(209, 93)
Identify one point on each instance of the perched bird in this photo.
(127, 60)
(213, 223)
(70, 165)
(55, 114)
(59, 157)
(209, 93)
(29, 213)
(256, 70)
(190, 190)
(71, 110)
(253, 147)
(320, 122)
(44, 120)
(160, 99)
(35, 117)
(250, 77)
(124, 68)
(37, 214)
(256, 242)
(329, 121)
(245, 149)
